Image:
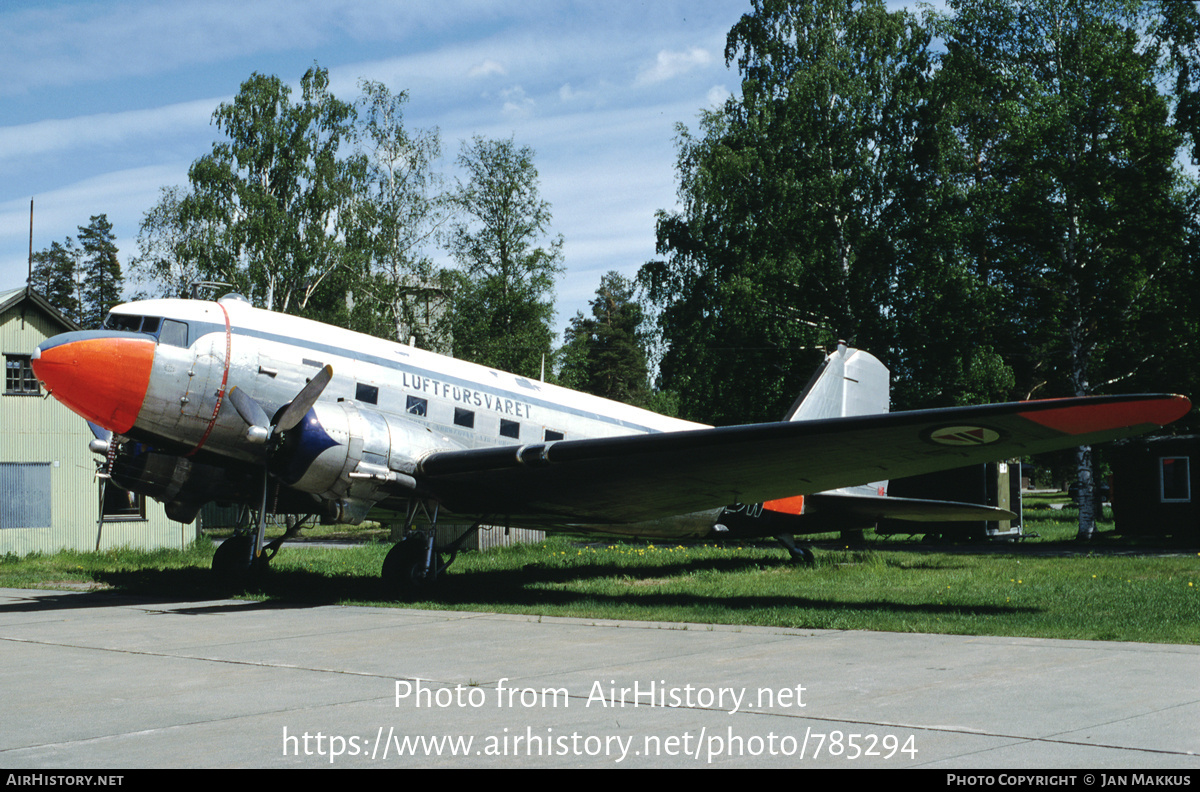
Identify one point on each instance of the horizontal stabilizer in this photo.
(913, 509)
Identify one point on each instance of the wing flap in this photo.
(641, 477)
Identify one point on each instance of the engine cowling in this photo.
(344, 451)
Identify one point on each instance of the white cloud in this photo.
(717, 95)
(84, 132)
(516, 102)
(72, 43)
(487, 68)
(669, 65)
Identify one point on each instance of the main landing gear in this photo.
(416, 563)
(236, 562)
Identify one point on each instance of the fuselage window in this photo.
(174, 333)
(464, 418)
(510, 429)
(366, 393)
(553, 435)
(416, 406)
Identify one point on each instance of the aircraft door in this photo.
(204, 377)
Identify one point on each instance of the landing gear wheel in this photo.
(404, 572)
(799, 554)
(232, 563)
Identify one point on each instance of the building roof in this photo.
(12, 298)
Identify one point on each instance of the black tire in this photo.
(232, 562)
(404, 574)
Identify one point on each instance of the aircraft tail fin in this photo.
(849, 382)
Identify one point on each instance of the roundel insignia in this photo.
(964, 436)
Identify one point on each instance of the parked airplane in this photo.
(220, 401)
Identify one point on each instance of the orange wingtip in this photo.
(1104, 416)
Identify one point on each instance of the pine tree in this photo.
(54, 276)
(101, 271)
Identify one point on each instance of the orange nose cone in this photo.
(102, 377)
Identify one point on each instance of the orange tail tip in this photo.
(793, 505)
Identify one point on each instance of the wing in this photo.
(642, 477)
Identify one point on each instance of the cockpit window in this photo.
(132, 324)
(168, 331)
(174, 333)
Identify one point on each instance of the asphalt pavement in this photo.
(100, 680)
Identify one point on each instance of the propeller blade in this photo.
(304, 400)
(250, 410)
(99, 431)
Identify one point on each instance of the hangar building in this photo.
(49, 494)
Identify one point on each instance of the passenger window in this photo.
(416, 406)
(510, 429)
(464, 418)
(553, 435)
(366, 393)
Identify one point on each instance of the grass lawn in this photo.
(1048, 587)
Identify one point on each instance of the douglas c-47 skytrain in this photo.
(197, 401)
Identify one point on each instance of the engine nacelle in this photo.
(345, 452)
(182, 485)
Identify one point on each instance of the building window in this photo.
(1175, 479)
(25, 495)
(19, 379)
(464, 418)
(122, 504)
(510, 429)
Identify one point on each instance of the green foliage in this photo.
(100, 271)
(1001, 220)
(54, 275)
(795, 199)
(267, 209)
(329, 210)
(82, 280)
(176, 246)
(605, 353)
(400, 211)
(1067, 157)
(504, 296)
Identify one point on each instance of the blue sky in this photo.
(104, 103)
